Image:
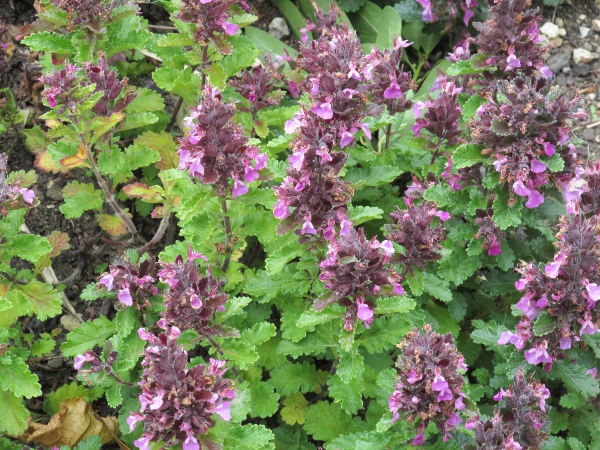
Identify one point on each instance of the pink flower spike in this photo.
(364, 312)
(439, 383)
(520, 189)
(261, 161)
(230, 28)
(535, 199)
(459, 404)
(347, 139)
(393, 91)
(107, 280)
(323, 110)
(537, 166)
(366, 130)
(51, 101)
(505, 337)
(418, 109)
(292, 125)
(513, 62)
(250, 174)
(125, 297)
(549, 148)
(520, 284)
(281, 211)
(239, 188)
(142, 443)
(418, 440)
(224, 411)
(552, 269)
(565, 343)
(443, 215)
(308, 228)
(545, 72)
(387, 247)
(191, 443)
(132, 421)
(495, 249)
(593, 291)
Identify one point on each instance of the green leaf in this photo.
(394, 305)
(120, 163)
(234, 307)
(446, 324)
(294, 409)
(577, 379)
(131, 32)
(16, 377)
(390, 26)
(67, 391)
(46, 41)
(90, 443)
(469, 108)
(572, 401)
(42, 347)
(13, 413)
(467, 155)
(267, 43)
(243, 55)
(409, 10)
(278, 259)
(29, 246)
(544, 324)
(437, 287)
(464, 67)
(296, 377)
(384, 334)
(318, 343)
(458, 266)
(145, 100)
(248, 437)
(351, 365)
(373, 175)
(361, 214)
(350, 5)
(80, 197)
(294, 17)
(505, 216)
(347, 393)
(367, 21)
(175, 40)
(326, 421)
(486, 333)
(500, 283)
(126, 321)
(87, 336)
(137, 120)
(265, 402)
(290, 280)
(555, 164)
(45, 301)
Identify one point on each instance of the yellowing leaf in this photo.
(75, 421)
(294, 409)
(112, 224)
(141, 191)
(59, 242)
(163, 143)
(77, 160)
(45, 162)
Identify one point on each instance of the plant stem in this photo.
(174, 114)
(162, 227)
(228, 242)
(388, 135)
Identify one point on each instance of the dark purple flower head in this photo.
(12, 195)
(135, 283)
(177, 403)
(106, 81)
(442, 115)
(511, 38)
(211, 19)
(490, 232)
(568, 289)
(447, 11)
(59, 87)
(92, 14)
(258, 86)
(525, 122)
(192, 299)
(356, 268)
(419, 231)
(429, 383)
(388, 82)
(215, 150)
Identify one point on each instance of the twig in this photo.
(228, 242)
(162, 27)
(74, 275)
(159, 233)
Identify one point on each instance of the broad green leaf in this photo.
(361, 214)
(265, 402)
(87, 336)
(572, 401)
(458, 266)
(175, 40)
(13, 413)
(469, 108)
(293, 16)
(367, 21)
(80, 197)
(545, 324)
(294, 377)
(278, 259)
(45, 41)
(59, 242)
(437, 287)
(577, 379)
(112, 224)
(42, 347)
(373, 175)
(390, 26)
(294, 409)
(164, 144)
(394, 305)
(463, 68)
(326, 421)
(446, 324)
(137, 120)
(120, 163)
(287, 281)
(243, 55)
(248, 437)
(129, 33)
(267, 43)
(351, 365)
(384, 334)
(505, 216)
(467, 155)
(486, 333)
(317, 343)
(347, 393)
(16, 377)
(145, 100)
(29, 246)
(44, 299)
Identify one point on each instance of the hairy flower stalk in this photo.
(215, 151)
(355, 271)
(429, 383)
(177, 404)
(567, 290)
(524, 124)
(92, 14)
(447, 10)
(191, 299)
(518, 423)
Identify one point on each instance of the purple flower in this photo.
(323, 110)
(512, 62)
(545, 72)
(124, 297)
(593, 291)
(135, 283)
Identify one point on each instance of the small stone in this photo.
(550, 30)
(591, 96)
(596, 25)
(69, 323)
(582, 56)
(559, 22)
(279, 28)
(584, 31)
(581, 70)
(562, 32)
(582, 17)
(588, 47)
(556, 42)
(54, 192)
(589, 134)
(56, 362)
(558, 61)
(566, 69)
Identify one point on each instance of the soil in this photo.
(90, 248)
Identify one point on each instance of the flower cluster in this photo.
(177, 403)
(443, 112)
(60, 87)
(312, 186)
(447, 10)
(258, 86)
(524, 122)
(490, 232)
(215, 150)
(211, 19)
(416, 231)
(519, 423)
(107, 83)
(512, 39)
(12, 195)
(354, 269)
(88, 13)
(133, 282)
(582, 192)
(191, 299)
(388, 82)
(429, 383)
(567, 290)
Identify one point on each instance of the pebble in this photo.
(559, 22)
(562, 32)
(279, 28)
(588, 46)
(596, 25)
(582, 56)
(56, 362)
(591, 96)
(581, 70)
(556, 42)
(54, 191)
(566, 69)
(582, 17)
(558, 61)
(550, 30)
(69, 323)
(584, 31)
(589, 134)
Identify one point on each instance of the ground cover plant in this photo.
(376, 246)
